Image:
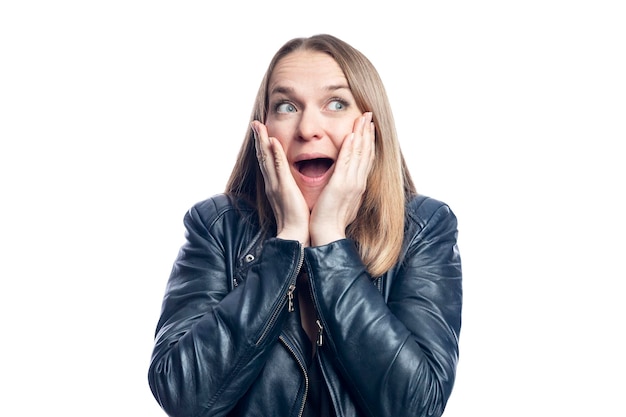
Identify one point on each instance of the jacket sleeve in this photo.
(397, 357)
(211, 343)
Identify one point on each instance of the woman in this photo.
(320, 283)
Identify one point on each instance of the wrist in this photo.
(303, 238)
(322, 239)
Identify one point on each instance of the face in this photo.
(311, 112)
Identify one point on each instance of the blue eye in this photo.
(285, 108)
(337, 105)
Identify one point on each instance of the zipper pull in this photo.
(290, 307)
(320, 330)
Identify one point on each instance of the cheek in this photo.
(278, 128)
(341, 131)
(281, 132)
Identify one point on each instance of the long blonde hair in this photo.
(378, 229)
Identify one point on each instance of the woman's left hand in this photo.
(339, 203)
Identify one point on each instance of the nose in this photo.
(310, 125)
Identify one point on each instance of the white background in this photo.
(117, 116)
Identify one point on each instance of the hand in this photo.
(290, 208)
(339, 202)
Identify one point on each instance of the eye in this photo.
(337, 105)
(285, 108)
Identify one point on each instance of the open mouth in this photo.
(314, 168)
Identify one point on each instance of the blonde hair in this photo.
(378, 229)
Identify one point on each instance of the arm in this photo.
(210, 343)
(397, 358)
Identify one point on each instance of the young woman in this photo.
(320, 283)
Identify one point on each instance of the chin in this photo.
(311, 199)
(310, 203)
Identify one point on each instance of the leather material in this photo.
(227, 345)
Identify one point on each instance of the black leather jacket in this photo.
(229, 340)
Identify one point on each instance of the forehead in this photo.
(306, 67)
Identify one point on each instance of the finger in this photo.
(263, 150)
(272, 159)
(257, 142)
(360, 160)
(346, 158)
(368, 150)
(279, 160)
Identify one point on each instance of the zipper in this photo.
(287, 300)
(292, 286)
(320, 329)
(303, 369)
(290, 307)
(320, 332)
(379, 284)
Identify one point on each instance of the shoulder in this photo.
(217, 208)
(429, 219)
(422, 210)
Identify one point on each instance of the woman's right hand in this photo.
(290, 208)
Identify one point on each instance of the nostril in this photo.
(309, 127)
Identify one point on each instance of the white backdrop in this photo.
(117, 116)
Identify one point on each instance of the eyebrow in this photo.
(279, 89)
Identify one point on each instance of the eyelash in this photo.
(280, 103)
(339, 100)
